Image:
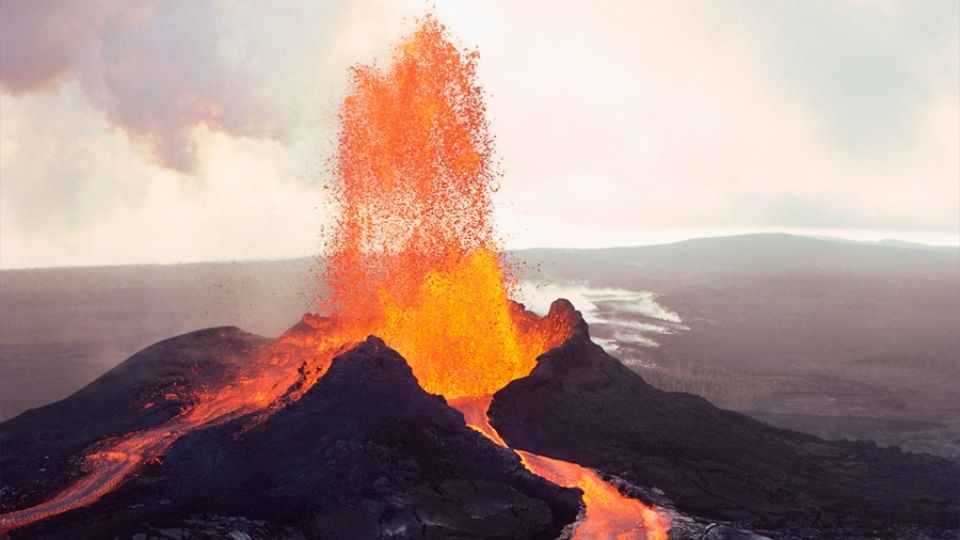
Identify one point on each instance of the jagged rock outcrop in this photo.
(582, 405)
(366, 453)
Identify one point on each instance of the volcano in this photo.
(367, 453)
(421, 401)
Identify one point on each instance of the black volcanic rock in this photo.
(582, 405)
(40, 449)
(365, 453)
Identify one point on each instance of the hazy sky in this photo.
(184, 130)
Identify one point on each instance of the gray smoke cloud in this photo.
(155, 69)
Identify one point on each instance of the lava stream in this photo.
(101, 480)
(608, 513)
(277, 375)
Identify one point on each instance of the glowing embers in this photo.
(413, 259)
(415, 175)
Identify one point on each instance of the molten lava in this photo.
(413, 260)
(609, 513)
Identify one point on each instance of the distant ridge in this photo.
(764, 238)
(759, 238)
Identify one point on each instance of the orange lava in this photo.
(272, 378)
(414, 259)
(609, 513)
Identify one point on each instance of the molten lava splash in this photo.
(414, 164)
(414, 259)
(461, 334)
(609, 513)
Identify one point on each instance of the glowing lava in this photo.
(414, 261)
(609, 513)
(279, 374)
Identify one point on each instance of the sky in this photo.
(167, 131)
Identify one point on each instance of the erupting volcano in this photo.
(421, 401)
(413, 260)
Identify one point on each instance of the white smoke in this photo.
(617, 316)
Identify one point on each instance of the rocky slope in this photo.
(582, 405)
(41, 448)
(364, 453)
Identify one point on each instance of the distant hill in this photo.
(753, 253)
(840, 338)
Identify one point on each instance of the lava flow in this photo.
(413, 260)
(609, 513)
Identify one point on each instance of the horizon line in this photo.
(883, 242)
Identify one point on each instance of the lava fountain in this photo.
(414, 260)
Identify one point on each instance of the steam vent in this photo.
(422, 401)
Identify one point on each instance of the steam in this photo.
(616, 316)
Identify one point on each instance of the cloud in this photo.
(73, 193)
(60, 169)
(39, 40)
(634, 116)
(123, 124)
(172, 131)
(860, 62)
(153, 67)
